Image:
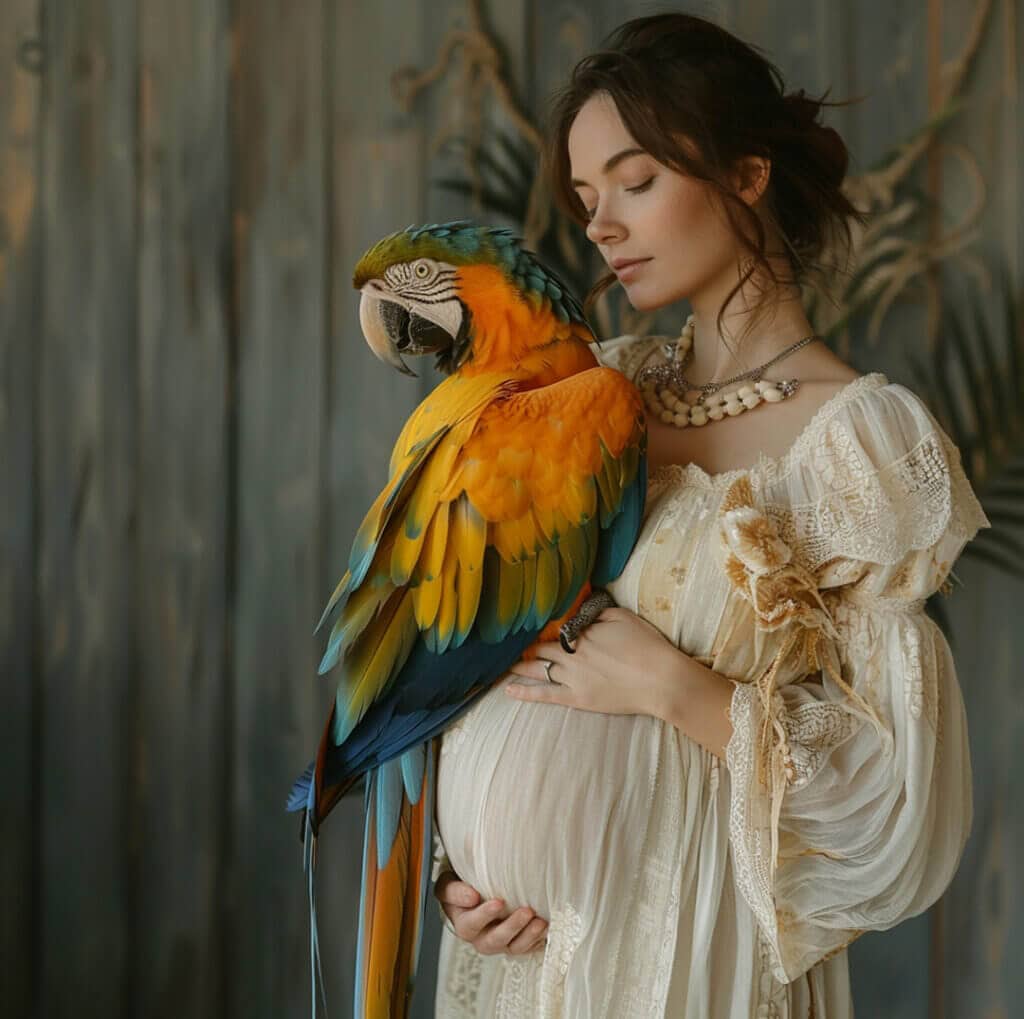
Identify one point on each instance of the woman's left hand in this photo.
(623, 665)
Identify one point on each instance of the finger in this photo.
(472, 922)
(530, 668)
(496, 938)
(544, 693)
(457, 893)
(528, 938)
(553, 652)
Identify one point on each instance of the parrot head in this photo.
(460, 291)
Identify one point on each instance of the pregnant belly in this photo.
(540, 804)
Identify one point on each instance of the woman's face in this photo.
(640, 209)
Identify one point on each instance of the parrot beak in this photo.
(391, 329)
(379, 321)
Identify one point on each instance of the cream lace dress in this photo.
(676, 885)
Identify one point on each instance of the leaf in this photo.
(1007, 542)
(975, 550)
(976, 394)
(519, 155)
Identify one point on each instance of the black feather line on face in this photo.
(396, 322)
(460, 349)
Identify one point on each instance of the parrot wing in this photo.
(490, 527)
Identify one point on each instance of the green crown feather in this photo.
(462, 242)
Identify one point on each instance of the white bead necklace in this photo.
(663, 386)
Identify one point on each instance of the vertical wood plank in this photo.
(87, 530)
(279, 228)
(184, 247)
(20, 325)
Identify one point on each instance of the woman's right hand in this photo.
(485, 925)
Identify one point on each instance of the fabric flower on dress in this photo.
(782, 593)
(762, 569)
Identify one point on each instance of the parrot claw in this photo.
(569, 631)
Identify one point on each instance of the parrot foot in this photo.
(598, 601)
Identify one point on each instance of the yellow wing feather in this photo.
(523, 473)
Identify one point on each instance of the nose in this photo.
(602, 229)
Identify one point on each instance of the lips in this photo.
(627, 268)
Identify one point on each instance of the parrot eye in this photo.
(422, 270)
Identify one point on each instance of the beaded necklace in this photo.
(663, 386)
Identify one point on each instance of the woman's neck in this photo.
(720, 355)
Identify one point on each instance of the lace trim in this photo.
(865, 513)
(770, 997)
(813, 731)
(874, 515)
(778, 467)
(643, 958)
(565, 932)
(461, 988)
(524, 987)
(441, 863)
(517, 978)
(748, 825)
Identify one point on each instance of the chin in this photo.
(642, 300)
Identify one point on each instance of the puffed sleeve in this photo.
(628, 353)
(850, 786)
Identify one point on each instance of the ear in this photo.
(750, 178)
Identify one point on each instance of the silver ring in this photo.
(547, 669)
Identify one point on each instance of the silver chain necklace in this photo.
(664, 386)
(710, 388)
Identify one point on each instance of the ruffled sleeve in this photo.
(850, 784)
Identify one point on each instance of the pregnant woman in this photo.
(761, 753)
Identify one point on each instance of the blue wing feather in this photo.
(617, 542)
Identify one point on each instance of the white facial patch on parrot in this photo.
(426, 288)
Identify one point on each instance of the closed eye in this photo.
(639, 189)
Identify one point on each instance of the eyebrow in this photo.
(612, 163)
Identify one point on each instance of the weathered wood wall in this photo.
(191, 428)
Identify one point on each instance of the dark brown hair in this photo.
(676, 77)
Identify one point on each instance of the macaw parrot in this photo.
(514, 491)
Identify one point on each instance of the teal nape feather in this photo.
(463, 242)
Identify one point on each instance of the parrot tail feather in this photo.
(316, 975)
(298, 798)
(396, 882)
